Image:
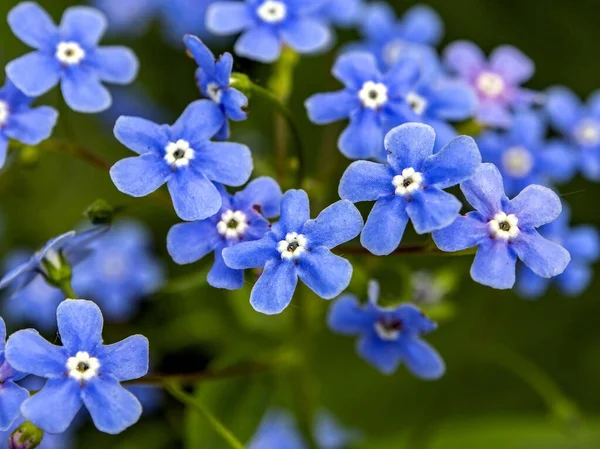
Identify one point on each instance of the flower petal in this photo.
(385, 226)
(32, 24)
(190, 242)
(485, 190)
(228, 17)
(465, 232)
(535, 206)
(3, 149)
(253, 254)
(453, 164)
(194, 196)
(355, 68)
(332, 106)
(295, 211)
(306, 35)
(260, 44)
(464, 58)
(227, 163)
(346, 316)
(34, 73)
(494, 114)
(117, 65)
(221, 276)
(409, 145)
(234, 102)
(583, 242)
(263, 193)
(140, 135)
(422, 360)
(383, 355)
(79, 325)
(201, 53)
(529, 284)
(28, 352)
(54, 407)
(403, 76)
(127, 359)
(274, 289)
(432, 209)
(366, 181)
(453, 100)
(324, 273)
(84, 92)
(422, 24)
(11, 398)
(545, 258)
(514, 66)
(564, 108)
(337, 224)
(575, 279)
(203, 112)
(32, 126)
(494, 265)
(112, 407)
(141, 175)
(84, 25)
(363, 137)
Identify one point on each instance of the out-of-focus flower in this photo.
(343, 13)
(68, 55)
(504, 230)
(11, 394)
(297, 247)
(241, 219)
(410, 185)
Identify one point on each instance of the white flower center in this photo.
(213, 91)
(388, 329)
(82, 367)
(392, 51)
(408, 182)
(293, 246)
(504, 226)
(490, 84)
(272, 11)
(517, 161)
(416, 102)
(179, 153)
(587, 133)
(4, 113)
(233, 224)
(373, 95)
(69, 53)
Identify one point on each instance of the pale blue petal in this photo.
(260, 43)
(11, 398)
(324, 273)
(452, 100)
(464, 58)
(32, 126)
(228, 17)
(346, 316)
(494, 265)
(432, 209)
(385, 226)
(535, 206)
(253, 254)
(337, 224)
(117, 65)
(83, 25)
(262, 193)
(306, 35)
(363, 138)
(453, 164)
(274, 289)
(494, 114)
(514, 66)
(3, 151)
(234, 103)
(28, 352)
(141, 136)
(485, 190)
(34, 73)
(465, 232)
(379, 19)
(355, 68)
(575, 279)
(403, 76)
(139, 176)
(559, 161)
(409, 145)
(199, 122)
(366, 181)
(564, 108)
(583, 242)
(223, 68)
(221, 276)
(383, 355)
(422, 24)
(84, 92)
(543, 257)
(414, 322)
(295, 211)
(422, 360)
(201, 53)
(529, 284)
(194, 196)
(127, 359)
(79, 325)
(32, 24)
(224, 162)
(190, 242)
(528, 129)
(331, 107)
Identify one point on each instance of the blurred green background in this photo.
(521, 374)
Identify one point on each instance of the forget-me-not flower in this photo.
(69, 55)
(81, 372)
(390, 39)
(183, 157)
(374, 102)
(120, 272)
(298, 247)
(21, 122)
(388, 336)
(582, 242)
(411, 185)
(36, 303)
(580, 124)
(214, 81)
(268, 25)
(523, 155)
(242, 218)
(504, 230)
(11, 394)
(71, 248)
(497, 83)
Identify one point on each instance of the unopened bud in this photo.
(26, 436)
(100, 212)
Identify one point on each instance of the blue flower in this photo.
(523, 155)
(241, 219)
(21, 122)
(213, 80)
(497, 83)
(68, 54)
(120, 272)
(183, 157)
(582, 242)
(81, 372)
(71, 247)
(343, 13)
(390, 39)
(37, 302)
(49, 441)
(580, 124)
(410, 185)
(11, 395)
(298, 247)
(268, 25)
(374, 102)
(388, 336)
(504, 230)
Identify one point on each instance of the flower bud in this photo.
(100, 212)
(26, 436)
(242, 83)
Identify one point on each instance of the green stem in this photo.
(178, 393)
(67, 289)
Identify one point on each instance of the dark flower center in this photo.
(407, 182)
(70, 52)
(373, 94)
(232, 224)
(82, 367)
(179, 154)
(391, 325)
(293, 247)
(505, 226)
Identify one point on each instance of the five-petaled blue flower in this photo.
(184, 157)
(388, 336)
(120, 272)
(20, 122)
(523, 155)
(214, 82)
(374, 102)
(11, 395)
(81, 372)
(68, 54)
(390, 39)
(497, 83)
(410, 185)
(580, 124)
(242, 218)
(582, 242)
(36, 303)
(298, 247)
(70, 247)
(268, 25)
(504, 230)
